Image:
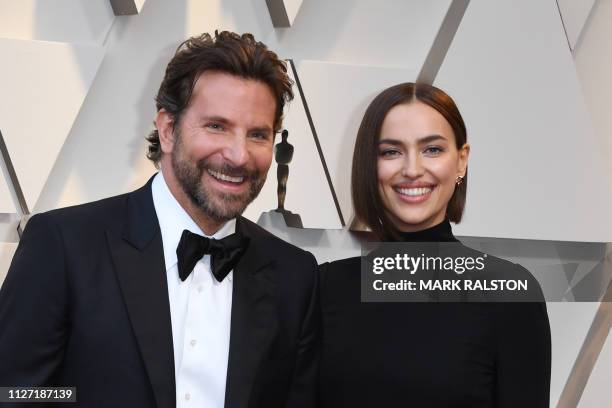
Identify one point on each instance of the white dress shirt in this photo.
(200, 309)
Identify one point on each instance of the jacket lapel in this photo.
(254, 318)
(137, 254)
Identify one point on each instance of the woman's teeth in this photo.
(414, 192)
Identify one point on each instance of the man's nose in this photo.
(236, 151)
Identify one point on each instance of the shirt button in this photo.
(193, 342)
(187, 397)
(200, 288)
(229, 278)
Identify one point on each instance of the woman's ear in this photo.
(464, 153)
(164, 122)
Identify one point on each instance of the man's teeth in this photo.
(414, 192)
(225, 177)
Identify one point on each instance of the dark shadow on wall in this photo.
(330, 18)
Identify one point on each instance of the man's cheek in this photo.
(264, 163)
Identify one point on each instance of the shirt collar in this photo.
(173, 219)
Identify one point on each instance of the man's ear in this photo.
(164, 122)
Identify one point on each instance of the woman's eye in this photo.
(433, 150)
(389, 152)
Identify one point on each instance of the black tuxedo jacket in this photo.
(85, 304)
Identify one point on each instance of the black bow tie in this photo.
(224, 253)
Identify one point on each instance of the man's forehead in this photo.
(228, 97)
(220, 79)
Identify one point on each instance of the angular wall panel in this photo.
(338, 95)
(283, 12)
(536, 169)
(597, 392)
(574, 14)
(127, 7)
(7, 205)
(392, 33)
(593, 58)
(46, 84)
(73, 21)
(342, 66)
(308, 193)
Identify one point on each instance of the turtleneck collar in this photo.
(438, 233)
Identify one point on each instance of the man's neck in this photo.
(206, 224)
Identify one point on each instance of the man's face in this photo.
(223, 143)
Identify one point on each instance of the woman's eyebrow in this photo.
(431, 138)
(390, 141)
(423, 140)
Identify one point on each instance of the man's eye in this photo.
(259, 135)
(215, 126)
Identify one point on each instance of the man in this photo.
(127, 301)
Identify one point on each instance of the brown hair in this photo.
(367, 201)
(228, 52)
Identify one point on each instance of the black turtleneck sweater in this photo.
(429, 354)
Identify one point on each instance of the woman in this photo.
(409, 182)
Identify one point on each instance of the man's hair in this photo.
(228, 52)
(367, 202)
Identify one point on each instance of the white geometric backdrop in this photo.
(532, 79)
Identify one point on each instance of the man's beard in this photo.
(217, 205)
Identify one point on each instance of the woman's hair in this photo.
(228, 52)
(367, 201)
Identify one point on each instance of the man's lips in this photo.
(225, 177)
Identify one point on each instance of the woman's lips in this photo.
(415, 193)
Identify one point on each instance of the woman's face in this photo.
(418, 165)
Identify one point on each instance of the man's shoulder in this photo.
(269, 241)
(98, 207)
(106, 211)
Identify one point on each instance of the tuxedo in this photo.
(85, 304)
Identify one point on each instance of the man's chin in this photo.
(223, 205)
(222, 211)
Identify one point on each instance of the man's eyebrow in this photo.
(215, 118)
(261, 128)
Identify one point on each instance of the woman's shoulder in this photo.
(506, 273)
(340, 274)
